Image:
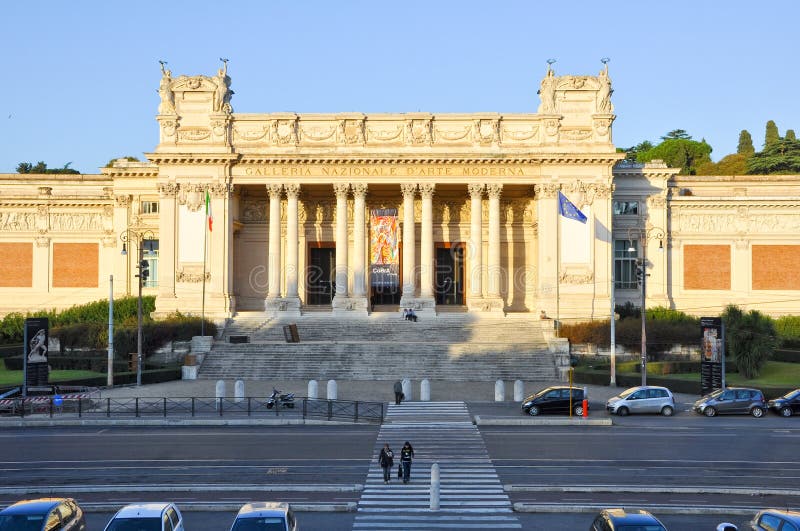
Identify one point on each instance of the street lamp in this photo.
(644, 235)
(139, 238)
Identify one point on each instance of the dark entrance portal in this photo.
(382, 295)
(449, 288)
(321, 275)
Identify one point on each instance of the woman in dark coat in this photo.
(386, 460)
(406, 455)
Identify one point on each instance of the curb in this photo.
(651, 490)
(656, 509)
(180, 488)
(348, 507)
(172, 422)
(510, 421)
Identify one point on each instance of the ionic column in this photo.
(409, 243)
(341, 190)
(292, 242)
(274, 258)
(476, 241)
(359, 235)
(494, 191)
(426, 247)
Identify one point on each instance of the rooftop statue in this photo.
(223, 92)
(604, 92)
(547, 92)
(167, 105)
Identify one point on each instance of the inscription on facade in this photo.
(389, 170)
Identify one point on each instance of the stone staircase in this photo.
(448, 346)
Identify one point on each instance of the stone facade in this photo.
(476, 199)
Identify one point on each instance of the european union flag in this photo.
(568, 210)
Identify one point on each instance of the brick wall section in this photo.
(707, 267)
(775, 267)
(75, 265)
(16, 265)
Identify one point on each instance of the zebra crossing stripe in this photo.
(471, 496)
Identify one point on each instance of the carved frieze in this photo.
(576, 277)
(254, 211)
(88, 222)
(351, 132)
(123, 201)
(191, 277)
(385, 133)
(317, 133)
(168, 189)
(17, 221)
(575, 134)
(284, 132)
(418, 131)
(729, 223)
(657, 201)
(251, 134)
(486, 131)
(194, 134)
(192, 196)
(452, 133)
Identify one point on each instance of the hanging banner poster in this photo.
(383, 253)
(712, 355)
(37, 337)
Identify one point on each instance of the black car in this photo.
(44, 514)
(787, 405)
(619, 519)
(554, 400)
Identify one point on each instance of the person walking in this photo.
(398, 392)
(406, 456)
(386, 460)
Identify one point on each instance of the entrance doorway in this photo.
(449, 287)
(320, 275)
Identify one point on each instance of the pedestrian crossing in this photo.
(471, 495)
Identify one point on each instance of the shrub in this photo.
(661, 334)
(750, 338)
(788, 329)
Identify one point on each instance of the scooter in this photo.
(279, 400)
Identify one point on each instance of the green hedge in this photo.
(789, 356)
(149, 376)
(661, 334)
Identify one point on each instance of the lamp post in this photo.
(139, 238)
(644, 235)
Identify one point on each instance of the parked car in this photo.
(618, 519)
(163, 516)
(776, 520)
(554, 400)
(642, 399)
(732, 400)
(265, 516)
(50, 514)
(787, 405)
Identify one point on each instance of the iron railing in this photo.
(193, 407)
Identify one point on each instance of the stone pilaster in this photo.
(359, 242)
(273, 301)
(475, 249)
(220, 299)
(547, 215)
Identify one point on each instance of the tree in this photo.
(632, 152)
(677, 133)
(745, 143)
(780, 157)
(771, 135)
(110, 163)
(41, 167)
(790, 135)
(735, 164)
(682, 153)
(750, 338)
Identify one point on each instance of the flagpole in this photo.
(558, 269)
(203, 304)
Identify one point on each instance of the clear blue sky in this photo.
(81, 77)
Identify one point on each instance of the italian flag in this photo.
(209, 215)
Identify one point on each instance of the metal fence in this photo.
(194, 407)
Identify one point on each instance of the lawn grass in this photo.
(773, 373)
(11, 378)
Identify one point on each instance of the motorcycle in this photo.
(280, 400)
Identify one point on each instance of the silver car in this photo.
(642, 399)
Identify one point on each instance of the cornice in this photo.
(490, 159)
(193, 158)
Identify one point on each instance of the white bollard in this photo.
(499, 391)
(313, 389)
(435, 485)
(332, 390)
(519, 391)
(407, 388)
(425, 391)
(238, 391)
(219, 393)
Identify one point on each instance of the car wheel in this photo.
(757, 412)
(623, 412)
(709, 411)
(533, 411)
(667, 411)
(578, 410)
(786, 412)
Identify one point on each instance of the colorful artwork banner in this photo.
(384, 256)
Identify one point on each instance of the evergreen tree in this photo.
(750, 338)
(790, 135)
(679, 152)
(780, 157)
(771, 136)
(745, 143)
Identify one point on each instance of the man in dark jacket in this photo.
(398, 392)
(386, 460)
(406, 455)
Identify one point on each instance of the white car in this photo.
(265, 516)
(147, 517)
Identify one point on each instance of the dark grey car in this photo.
(732, 401)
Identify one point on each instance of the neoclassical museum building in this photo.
(357, 212)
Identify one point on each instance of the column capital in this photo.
(427, 189)
(546, 190)
(341, 190)
(274, 190)
(220, 189)
(292, 190)
(476, 189)
(494, 190)
(408, 189)
(359, 189)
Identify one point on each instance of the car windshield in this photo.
(269, 523)
(643, 527)
(135, 524)
(791, 394)
(21, 522)
(716, 393)
(628, 392)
